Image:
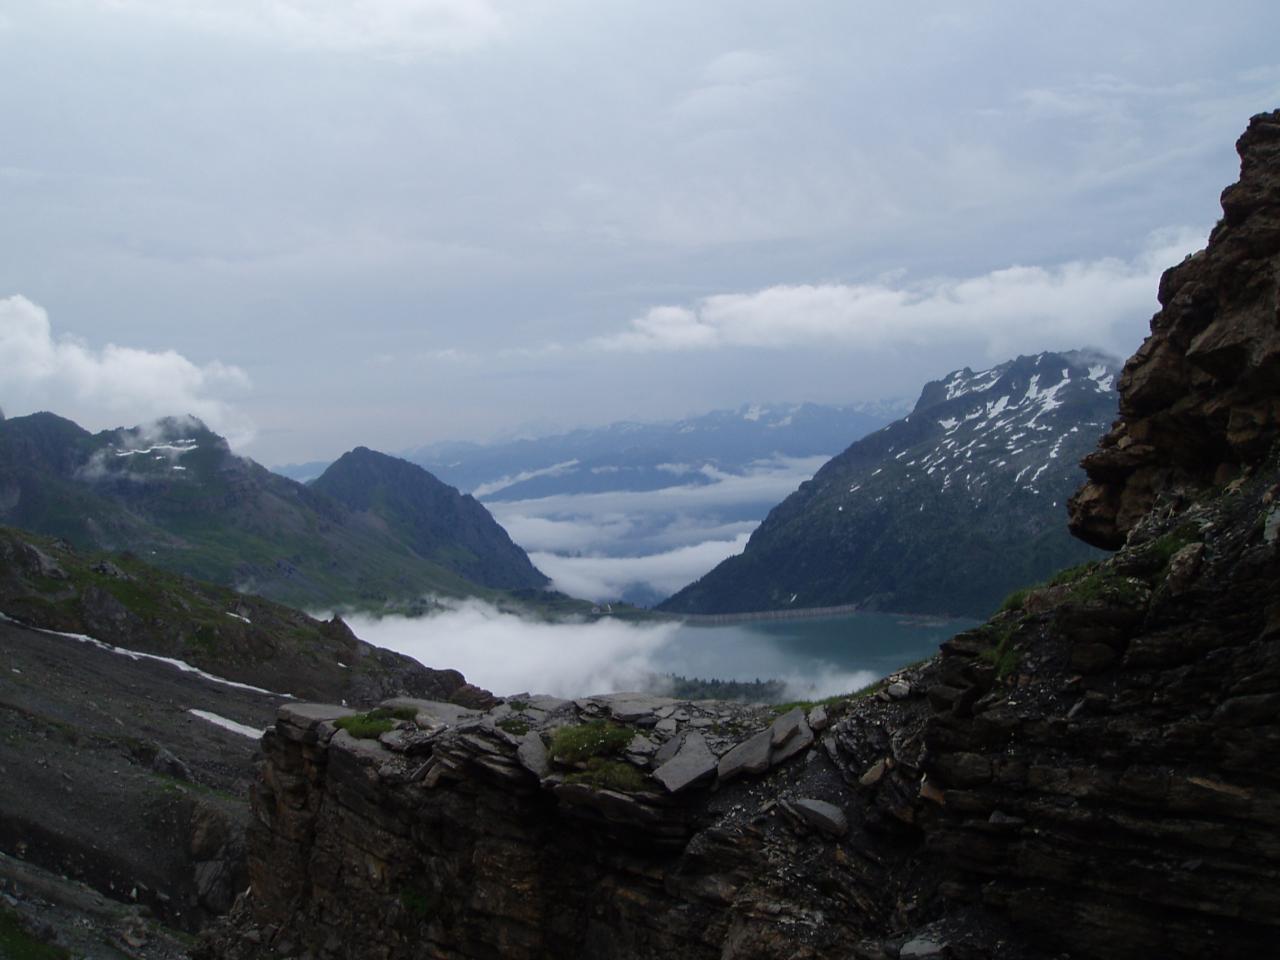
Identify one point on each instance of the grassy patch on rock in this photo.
(581, 742)
(1003, 655)
(371, 725)
(17, 944)
(514, 725)
(607, 774)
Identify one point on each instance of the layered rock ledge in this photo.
(618, 826)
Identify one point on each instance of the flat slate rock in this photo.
(692, 762)
(629, 707)
(750, 756)
(787, 726)
(920, 948)
(532, 754)
(543, 702)
(822, 816)
(641, 746)
(437, 710)
(306, 715)
(818, 719)
(668, 750)
(800, 738)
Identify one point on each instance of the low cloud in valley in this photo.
(508, 654)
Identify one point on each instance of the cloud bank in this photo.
(1103, 303)
(111, 386)
(607, 578)
(508, 655)
(647, 544)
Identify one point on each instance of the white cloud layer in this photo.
(1103, 303)
(113, 386)
(507, 654)
(767, 482)
(607, 578)
(603, 546)
(390, 27)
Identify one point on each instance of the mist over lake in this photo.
(509, 654)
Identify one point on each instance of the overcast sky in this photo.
(322, 223)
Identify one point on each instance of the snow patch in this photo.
(139, 655)
(225, 724)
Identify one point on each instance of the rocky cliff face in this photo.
(1198, 401)
(1090, 774)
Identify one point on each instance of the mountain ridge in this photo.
(173, 492)
(437, 521)
(973, 471)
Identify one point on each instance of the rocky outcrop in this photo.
(1089, 774)
(619, 826)
(1106, 754)
(1198, 401)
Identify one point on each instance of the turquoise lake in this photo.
(814, 656)
(508, 654)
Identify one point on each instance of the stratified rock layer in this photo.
(1090, 774)
(444, 838)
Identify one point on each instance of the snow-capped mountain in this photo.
(943, 511)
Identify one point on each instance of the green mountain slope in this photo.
(945, 511)
(119, 599)
(433, 519)
(174, 494)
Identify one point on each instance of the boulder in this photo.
(692, 763)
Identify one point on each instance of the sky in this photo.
(323, 223)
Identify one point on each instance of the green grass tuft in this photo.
(1071, 574)
(606, 774)
(1016, 600)
(516, 726)
(17, 944)
(599, 738)
(1003, 654)
(1164, 547)
(371, 725)
(837, 700)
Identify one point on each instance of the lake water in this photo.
(509, 654)
(818, 656)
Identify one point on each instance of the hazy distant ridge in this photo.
(649, 456)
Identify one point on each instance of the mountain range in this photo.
(944, 511)
(371, 531)
(631, 455)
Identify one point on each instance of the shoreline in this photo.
(807, 613)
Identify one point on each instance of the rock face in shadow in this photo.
(1091, 773)
(1199, 400)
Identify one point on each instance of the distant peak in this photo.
(1080, 364)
